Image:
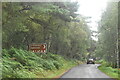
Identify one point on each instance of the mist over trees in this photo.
(66, 33)
(108, 35)
(59, 26)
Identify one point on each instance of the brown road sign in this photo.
(38, 48)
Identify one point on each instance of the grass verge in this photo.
(57, 72)
(112, 72)
(18, 63)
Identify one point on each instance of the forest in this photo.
(66, 33)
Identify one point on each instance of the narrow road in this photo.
(85, 72)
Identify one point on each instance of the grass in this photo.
(56, 73)
(18, 63)
(65, 68)
(112, 72)
(109, 71)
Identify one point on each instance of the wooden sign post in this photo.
(38, 48)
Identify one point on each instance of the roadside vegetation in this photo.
(108, 35)
(65, 32)
(112, 72)
(20, 63)
(107, 45)
(108, 70)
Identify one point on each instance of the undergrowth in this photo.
(18, 63)
(107, 69)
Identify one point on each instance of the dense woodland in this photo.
(56, 24)
(108, 35)
(65, 32)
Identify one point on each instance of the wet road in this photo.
(86, 72)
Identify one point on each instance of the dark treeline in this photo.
(55, 23)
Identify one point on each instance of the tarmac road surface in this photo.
(85, 72)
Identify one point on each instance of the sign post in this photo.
(38, 48)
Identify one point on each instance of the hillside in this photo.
(18, 63)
